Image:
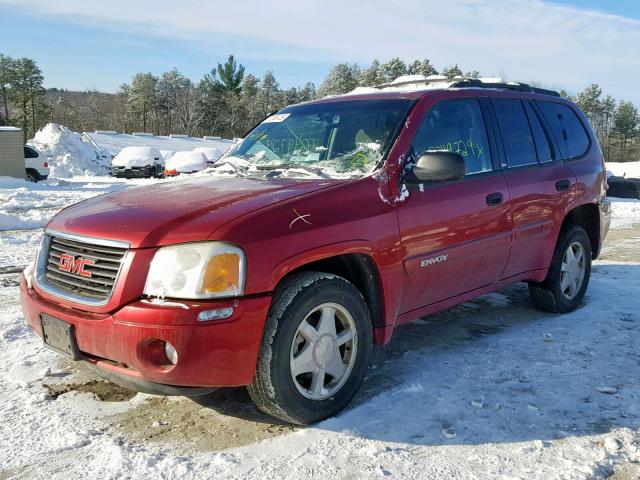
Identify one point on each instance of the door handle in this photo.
(494, 199)
(562, 185)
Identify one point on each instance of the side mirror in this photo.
(440, 167)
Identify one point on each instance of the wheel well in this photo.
(362, 272)
(587, 217)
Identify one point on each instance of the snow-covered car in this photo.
(167, 154)
(138, 162)
(185, 162)
(212, 153)
(36, 165)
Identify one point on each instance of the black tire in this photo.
(273, 389)
(32, 176)
(548, 295)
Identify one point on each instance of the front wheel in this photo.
(315, 349)
(568, 277)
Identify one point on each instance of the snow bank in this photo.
(67, 154)
(623, 169)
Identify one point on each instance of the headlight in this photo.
(196, 271)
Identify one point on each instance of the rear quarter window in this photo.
(566, 128)
(30, 153)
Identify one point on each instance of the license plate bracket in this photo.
(59, 336)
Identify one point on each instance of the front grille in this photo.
(93, 281)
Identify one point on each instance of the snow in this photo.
(137, 157)
(626, 212)
(167, 154)
(623, 169)
(212, 154)
(67, 154)
(490, 389)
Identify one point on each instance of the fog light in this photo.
(218, 314)
(171, 353)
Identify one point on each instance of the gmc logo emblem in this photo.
(71, 264)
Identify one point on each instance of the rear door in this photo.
(454, 235)
(540, 185)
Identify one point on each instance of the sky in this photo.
(87, 44)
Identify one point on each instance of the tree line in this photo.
(616, 123)
(228, 101)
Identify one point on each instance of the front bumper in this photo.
(133, 172)
(218, 353)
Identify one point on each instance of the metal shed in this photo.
(111, 142)
(11, 152)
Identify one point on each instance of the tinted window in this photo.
(456, 126)
(515, 131)
(567, 129)
(543, 149)
(30, 153)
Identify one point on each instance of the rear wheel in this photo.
(568, 277)
(32, 176)
(315, 349)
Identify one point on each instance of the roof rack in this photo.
(464, 82)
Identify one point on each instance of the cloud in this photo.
(528, 39)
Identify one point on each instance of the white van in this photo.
(138, 162)
(36, 164)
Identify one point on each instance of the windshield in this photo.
(338, 139)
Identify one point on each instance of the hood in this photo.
(177, 211)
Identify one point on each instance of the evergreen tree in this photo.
(372, 76)
(249, 99)
(626, 126)
(423, 67)
(172, 87)
(268, 94)
(28, 95)
(451, 72)
(393, 69)
(7, 66)
(227, 77)
(308, 92)
(141, 97)
(342, 78)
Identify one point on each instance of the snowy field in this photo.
(489, 389)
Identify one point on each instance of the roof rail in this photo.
(464, 82)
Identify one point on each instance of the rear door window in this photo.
(458, 126)
(515, 131)
(567, 129)
(543, 149)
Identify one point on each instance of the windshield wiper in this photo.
(291, 165)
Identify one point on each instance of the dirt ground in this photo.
(227, 418)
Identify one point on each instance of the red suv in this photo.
(330, 224)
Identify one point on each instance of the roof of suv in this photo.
(415, 86)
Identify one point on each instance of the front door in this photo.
(455, 236)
